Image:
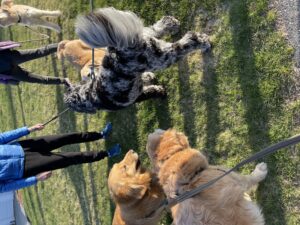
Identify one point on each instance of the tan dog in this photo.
(135, 191)
(80, 56)
(181, 168)
(11, 14)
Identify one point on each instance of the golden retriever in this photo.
(181, 168)
(135, 191)
(80, 56)
(11, 14)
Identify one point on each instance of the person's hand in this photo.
(36, 127)
(43, 176)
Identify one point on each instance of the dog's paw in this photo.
(148, 77)
(171, 24)
(260, 171)
(203, 39)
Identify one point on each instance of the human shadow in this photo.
(256, 115)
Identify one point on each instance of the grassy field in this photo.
(230, 102)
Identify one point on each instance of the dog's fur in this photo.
(11, 14)
(181, 168)
(135, 191)
(132, 50)
(80, 56)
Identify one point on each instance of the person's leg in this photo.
(36, 162)
(49, 143)
(21, 56)
(25, 76)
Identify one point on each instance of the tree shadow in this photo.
(39, 201)
(67, 123)
(91, 176)
(256, 115)
(211, 97)
(186, 101)
(297, 53)
(125, 133)
(11, 106)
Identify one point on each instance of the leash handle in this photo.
(55, 117)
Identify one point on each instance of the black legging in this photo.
(10, 60)
(39, 158)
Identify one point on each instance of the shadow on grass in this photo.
(39, 201)
(186, 101)
(125, 133)
(91, 176)
(12, 108)
(269, 193)
(212, 106)
(297, 53)
(67, 123)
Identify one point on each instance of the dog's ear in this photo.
(138, 191)
(153, 141)
(128, 193)
(6, 4)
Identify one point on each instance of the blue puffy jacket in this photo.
(12, 161)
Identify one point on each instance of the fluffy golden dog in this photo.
(135, 191)
(79, 55)
(181, 168)
(11, 14)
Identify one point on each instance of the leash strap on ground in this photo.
(44, 36)
(267, 151)
(55, 117)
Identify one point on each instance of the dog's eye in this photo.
(124, 168)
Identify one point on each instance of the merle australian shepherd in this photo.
(133, 52)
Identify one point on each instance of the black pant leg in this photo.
(22, 74)
(49, 143)
(22, 56)
(36, 162)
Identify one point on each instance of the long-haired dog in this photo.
(80, 56)
(181, 168)
(135, 191)
(11, 14)
(133, 52)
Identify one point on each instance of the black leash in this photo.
(266, 151)
(55, 117)
(93, 50)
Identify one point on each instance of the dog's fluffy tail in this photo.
(108, 27)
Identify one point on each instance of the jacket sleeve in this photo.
(13, 135)
(17, 184)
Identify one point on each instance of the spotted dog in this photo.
(133, 53)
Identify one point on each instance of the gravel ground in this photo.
(288, 22)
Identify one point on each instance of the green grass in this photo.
(231, 103)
